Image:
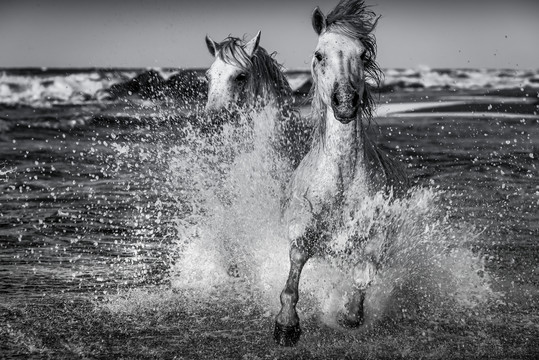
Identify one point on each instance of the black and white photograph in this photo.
(309, 179)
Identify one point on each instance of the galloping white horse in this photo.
(342, 168)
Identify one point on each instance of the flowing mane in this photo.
(354, 19)
(269, 81)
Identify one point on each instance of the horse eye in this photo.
(318, 56)
(241, 77)
(363, 55)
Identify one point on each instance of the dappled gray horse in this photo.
(343, 167)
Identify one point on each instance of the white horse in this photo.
(243, 73)
(244, 76)
(342, 168)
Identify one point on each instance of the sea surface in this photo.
(130, 229)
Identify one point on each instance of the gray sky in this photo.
(170, 33)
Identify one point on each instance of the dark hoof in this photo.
(286, 335)
(350, 322)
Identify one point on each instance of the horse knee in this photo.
(298, 255)
(364, 274)
(289, 296)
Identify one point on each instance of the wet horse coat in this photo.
(343, 167)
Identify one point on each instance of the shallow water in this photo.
(121, 225)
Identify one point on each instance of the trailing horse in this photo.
(343, 168)
(245, 78)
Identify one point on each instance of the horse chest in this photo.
(321, 182)
(325, 181)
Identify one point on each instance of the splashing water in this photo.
(227, 188)
(170, 237)
(237, 230)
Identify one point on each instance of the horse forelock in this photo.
(267, 78)
(232, 52)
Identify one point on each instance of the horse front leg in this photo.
(353, 314)
(287, 330)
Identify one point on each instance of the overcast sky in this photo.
(170, 33)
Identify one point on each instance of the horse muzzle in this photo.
(345, 104)
(213, 106)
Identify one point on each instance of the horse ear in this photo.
(213, 47)
(318, 20)
(252, 45)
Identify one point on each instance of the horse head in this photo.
(229, 74)
(343, 61)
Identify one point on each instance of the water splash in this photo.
(227, 188)
(235, 226)
(427, 269)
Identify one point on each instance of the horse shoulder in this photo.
(306, 193)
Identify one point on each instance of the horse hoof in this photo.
(350, 322)
(286, 335)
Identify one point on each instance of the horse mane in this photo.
(269, 80)
(354, 19)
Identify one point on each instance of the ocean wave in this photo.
(427, 78)
(424, 77)
(46, 88)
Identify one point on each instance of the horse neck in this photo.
(264, 116)
(345, 148)
(269, 105)
(344, 141)
(268, 101)
(267, 83)
(268, 94)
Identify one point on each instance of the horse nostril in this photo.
(355, 99)
(335, 99)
